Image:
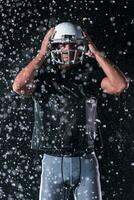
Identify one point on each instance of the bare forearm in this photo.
(115, 81)
(27, 74)
(112, 72)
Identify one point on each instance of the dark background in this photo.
(23, 25)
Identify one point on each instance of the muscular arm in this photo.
(24, 83)
(115, 81)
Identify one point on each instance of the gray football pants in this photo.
(70, 178)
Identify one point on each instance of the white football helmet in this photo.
(66, 33)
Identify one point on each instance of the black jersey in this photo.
(60, 103)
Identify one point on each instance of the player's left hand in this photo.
(92, 49)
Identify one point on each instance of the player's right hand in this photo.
(45, 43)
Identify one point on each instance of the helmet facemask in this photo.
(74, 55)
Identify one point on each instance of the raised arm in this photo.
(24, 83)
(115, 81)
